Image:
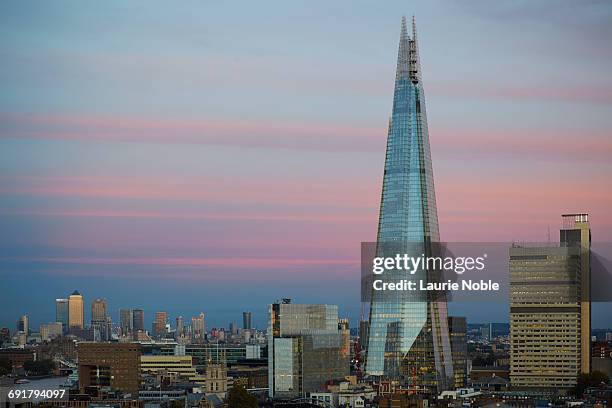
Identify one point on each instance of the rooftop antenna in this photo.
(548, 234)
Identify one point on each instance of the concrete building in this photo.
(550, 310)
(23, 324)
(182, 366)
(50, 331)
(114, 366)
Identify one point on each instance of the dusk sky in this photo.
(214, 156)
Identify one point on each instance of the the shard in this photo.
(408, 341)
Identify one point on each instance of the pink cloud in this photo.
(548, 143)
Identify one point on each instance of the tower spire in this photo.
(403, 68)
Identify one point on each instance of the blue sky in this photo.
(208, 156)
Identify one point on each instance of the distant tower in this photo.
(23, 324)
(246, 321)
(99, 319)
(138, 320)
(61, 313)
(180, 326)
(76, 314)
(159, 324)
(126, 321)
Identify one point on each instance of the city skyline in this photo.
(200, 167)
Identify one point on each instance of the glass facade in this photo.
(305, 349)
(408, 334)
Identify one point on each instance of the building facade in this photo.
(408, 338)
(550, 309)
(114, 366)
(458, 334)
(50, 330)
(76, 311)
(126, 322)
(246, 321)
(304, 349)
(61, 313)
(138, 320)
(159, 324)
(100, 320)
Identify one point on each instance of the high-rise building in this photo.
(408, 340)
(61, 313)
(198, 327)
(76, 313)
(23, 324)
(99, 320)
(246, 321)
(458, 333)
(304, 349)
(159, 324)
(126, 321)
(550, 309)
(180, 326)
(138, 322)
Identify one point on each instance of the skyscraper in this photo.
(408, 337)
(246, 320)
(76, 314)
(198, 327)
(550, 309)
(125, 321)
(23, 324)
(458, 331)
(99, 319)
(61, 313)
(138, 322)
(159, 324)
(180, 326)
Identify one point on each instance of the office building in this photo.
(76, 313)
(159, 324)
(109, 365)
(181, 366)
(458, 334)
(198, 328)
(550, 309)
(61, 313)
(304, 349)
(246, 321)
(50, 331)
(100, 320)
(126, 321)
(180, 327)
(138, 322)
(23, 324)
(408, 340)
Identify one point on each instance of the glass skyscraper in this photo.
(408, 340)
